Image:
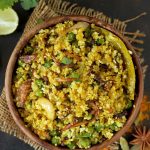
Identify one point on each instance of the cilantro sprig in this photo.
(7, 3)
(26, 4)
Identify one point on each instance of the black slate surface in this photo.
(122, 9)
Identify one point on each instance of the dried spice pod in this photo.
(142, 138)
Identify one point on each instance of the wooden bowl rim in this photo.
(23, 42)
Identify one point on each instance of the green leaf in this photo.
(98, 126)
(27, 4)
(40, 20)
(7, 3)
(66, 61)
(75, 75)
(124, 144)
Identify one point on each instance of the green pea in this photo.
(53, 133)
(84, 143)
(48, 63)
(100, 41)
(75, 75)
(113, 126)
(39, 82)
(71, 146)
(29, 50)
(98, 126)
(88, 32)
(75, 43)
(129, 105)
(71, 37)
(56, 140)
(21, 63)
(39, 93)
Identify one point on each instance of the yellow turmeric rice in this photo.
(74, 84)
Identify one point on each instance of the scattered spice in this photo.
(142, 138)
(23, 92)
(65, 79)
(56, 61)
(76, 125)
(27, 58)
(113, 146)
(144, 113)
(77, 57)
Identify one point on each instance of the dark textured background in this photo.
(121, 9)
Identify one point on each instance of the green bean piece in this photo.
(71, 37)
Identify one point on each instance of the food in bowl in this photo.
(74, 84)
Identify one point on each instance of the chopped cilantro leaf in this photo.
(66, 61)
(100, 41)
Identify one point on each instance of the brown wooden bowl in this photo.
(11, 65)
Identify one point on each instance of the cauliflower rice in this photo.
(73, 84)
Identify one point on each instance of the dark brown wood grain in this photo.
(24, 41)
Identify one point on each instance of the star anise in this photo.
(142, 138)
